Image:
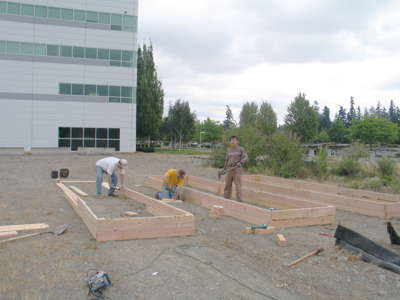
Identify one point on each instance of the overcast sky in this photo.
(214, 53)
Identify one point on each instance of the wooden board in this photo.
(7, 234)
(78, 191)
(23, 227)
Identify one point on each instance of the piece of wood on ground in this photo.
(7, 234)
(281, 240)
(216, 211)
(130, 214)
(171, 201)
(315, 252)
(78, 191)
(23, 227)
(268, 230)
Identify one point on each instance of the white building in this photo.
(68, 74)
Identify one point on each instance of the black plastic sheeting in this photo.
(394, 237)
(370, 251)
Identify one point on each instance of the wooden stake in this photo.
(78, 191)
(315, 252)
(216, 211)
(280, 240)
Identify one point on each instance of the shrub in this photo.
(319, 167)
(217, 157)
(386, 168)
(374, 183)
(347, 167)
(285, 154)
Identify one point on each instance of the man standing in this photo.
(173, 182)
(235, 158)
(110, 166)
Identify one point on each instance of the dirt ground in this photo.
(220, 262)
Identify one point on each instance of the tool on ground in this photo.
(254, 227)
(224, 171)
(64, 173)
(326, 234)
(315, 252)
(97, 282)
(58, 231)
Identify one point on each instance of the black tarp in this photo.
(394, 237)
(370, 251)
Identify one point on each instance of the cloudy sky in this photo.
(226, 52)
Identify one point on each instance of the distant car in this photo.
(194, 144)
(206, 145)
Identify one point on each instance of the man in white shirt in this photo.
(110, 166)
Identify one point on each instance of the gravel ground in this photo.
(220, 262)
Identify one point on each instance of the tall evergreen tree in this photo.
(378, 110)
(150, 95)
(266, 119)
(358, 115)
(393, 116)
(342, 115)
(325, 118)
(229, 121)
(248, 114)
(351, 116)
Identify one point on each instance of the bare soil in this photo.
(220, 262)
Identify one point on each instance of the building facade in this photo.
(68, 74)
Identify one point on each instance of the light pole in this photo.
(201, 132)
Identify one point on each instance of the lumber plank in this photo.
(154, 206)
(7, 234)
(281, 240)
(145, 227)
(303, 213)
(78, 191)
(23, 227)
(392, 211)
(268, 230)
(303, 222)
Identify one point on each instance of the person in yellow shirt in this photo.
(173, 182)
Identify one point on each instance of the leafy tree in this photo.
(266, 119)
(150, 95)
(248, 114)
(325, 118)
(374, 130)
(229, 121)
(351, 116)
(302, 119)
(179, 125)
(211, 131)
(338, 132)
(322, 136)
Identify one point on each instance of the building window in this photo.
(116, 21)
(119, 58)
(115, 94)
(76, 137)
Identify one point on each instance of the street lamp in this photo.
(201, 132)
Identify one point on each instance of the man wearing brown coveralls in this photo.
(235, 158)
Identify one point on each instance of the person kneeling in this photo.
(173, 182)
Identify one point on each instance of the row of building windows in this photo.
(115, 94)
(119, 22)
(117, 58)
(74, 137)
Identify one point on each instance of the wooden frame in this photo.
(368, 203)
(309, 214)
(168, 221)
